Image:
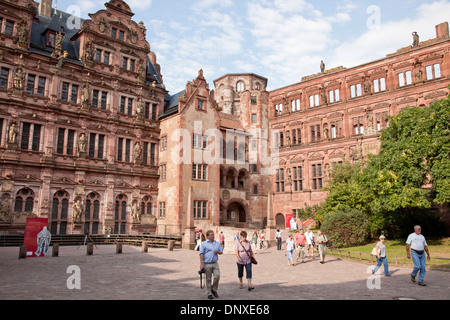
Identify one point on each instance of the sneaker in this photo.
(210, 297)
(422, 284)
(413, 279)
(214, 293)
(387, 275)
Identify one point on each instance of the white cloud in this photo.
(391, 36)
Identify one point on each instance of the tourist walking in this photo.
(209, 256)
(289, 249)
(416, 241)
(222, 239)
(278, 236)
(300, 242)
(243, 251)
(261, 239)
(322, 244)
(381, 257)
(310, 243)
(198, 239)
(254, 241)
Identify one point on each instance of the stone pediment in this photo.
(27, 178)
(316, 155)
(63, 180)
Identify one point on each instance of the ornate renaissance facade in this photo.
(338, 115)
(79, 107)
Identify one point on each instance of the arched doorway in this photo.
(280, 221)
(234, 214)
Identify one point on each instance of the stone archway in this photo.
(280, 222)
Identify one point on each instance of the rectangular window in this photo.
(200, 209)
(162, 210)
(95, 94)
(98, 55)
(199, 172)
(124, 63)
(41, 87)
(297, 178)
(74, 95)
(121, 35)
(119, 149)
(253, 117)
(113, 32)
(154, 106)
(404, 78)
(164, 143)
(31, 136)
(317, 176)
(333, 95)
(4, 76)
(162, 172)
(356, 90)
(30, 83)
(70, 142)
(122, 104)
(106, 57)
(9, 27)
(103, 100)
(130, 106)
(200, 105)
(64, 91)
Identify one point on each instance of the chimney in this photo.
(442, 30)
(45, 8)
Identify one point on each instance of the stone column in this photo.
(189, 230)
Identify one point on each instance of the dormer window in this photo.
(51, 39)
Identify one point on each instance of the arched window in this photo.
(146, 205)
(120, 214)
(60, 209)
(240, 86)
(24, 200)
(92, 213)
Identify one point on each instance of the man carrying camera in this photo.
(209, 255)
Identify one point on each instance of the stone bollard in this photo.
(55, 250)
(90, 249)
(118, 248)
(170, 245)
(144, 246)
(23, 252)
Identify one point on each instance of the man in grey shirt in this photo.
(418, 245)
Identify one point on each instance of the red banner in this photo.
(37, 237)
(289, 216)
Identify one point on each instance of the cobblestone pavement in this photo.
(172, 275)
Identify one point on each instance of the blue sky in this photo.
(282, 40)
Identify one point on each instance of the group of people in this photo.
(303, 243)
(209, 256)
(418, 245)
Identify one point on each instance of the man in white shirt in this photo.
(418, 245)
(309, 243)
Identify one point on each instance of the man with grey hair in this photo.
(418, 245)
(209, 251)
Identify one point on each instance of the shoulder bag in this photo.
(253, 260)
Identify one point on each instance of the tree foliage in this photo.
(411, 171)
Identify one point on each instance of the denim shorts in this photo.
(248, 270)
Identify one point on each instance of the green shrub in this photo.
(346, 228)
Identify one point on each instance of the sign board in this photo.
(289, 216)
(37, 237)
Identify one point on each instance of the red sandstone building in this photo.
(91, 138)
(338, 114)
(78, 119)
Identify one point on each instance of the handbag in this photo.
(253, 260)
(374, 251)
